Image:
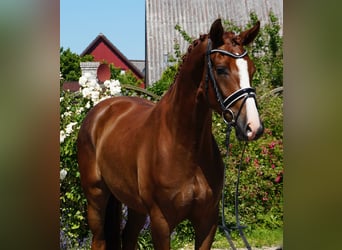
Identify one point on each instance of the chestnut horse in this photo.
(161, 159)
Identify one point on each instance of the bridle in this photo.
(228, 102)
(225, 105)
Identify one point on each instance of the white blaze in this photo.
(251, 110)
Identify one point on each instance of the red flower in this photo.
(272, 145)
(256, 163)
(278, 179)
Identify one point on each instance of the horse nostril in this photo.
(253, 133)
(249, 132)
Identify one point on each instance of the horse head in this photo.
(230, 71)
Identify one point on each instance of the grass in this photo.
(257, 238)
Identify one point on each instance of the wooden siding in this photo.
(195, 17)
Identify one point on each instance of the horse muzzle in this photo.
(249, 131)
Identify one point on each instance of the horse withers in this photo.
(161, 159)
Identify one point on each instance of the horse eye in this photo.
(222, 71)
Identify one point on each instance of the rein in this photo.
(238, 226)
(225, 104)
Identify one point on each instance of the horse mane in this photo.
(232, 38)
(186, 55)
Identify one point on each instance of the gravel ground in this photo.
(262, 248)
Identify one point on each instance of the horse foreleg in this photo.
(135, 222)
(160, 230)
(205, 229)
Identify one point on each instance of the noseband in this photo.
(235, 96)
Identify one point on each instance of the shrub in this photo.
(73, 108)
(261, 176)
(161, 86)
(72, 201)
(124, 78)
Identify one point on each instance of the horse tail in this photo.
(112, 225)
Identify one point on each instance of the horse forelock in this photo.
(229, 37)
(232, 42)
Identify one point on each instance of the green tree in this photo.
(70, 64)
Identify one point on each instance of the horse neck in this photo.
(185, 105)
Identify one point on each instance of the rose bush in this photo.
(261, 176)
(73, 108)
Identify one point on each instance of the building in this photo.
(195, 17)
(104, 51)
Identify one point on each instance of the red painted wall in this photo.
(103, 52)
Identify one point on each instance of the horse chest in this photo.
(196, 192)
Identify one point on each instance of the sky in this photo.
(121, 21)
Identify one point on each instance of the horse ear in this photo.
(216, 33)
(248, 36)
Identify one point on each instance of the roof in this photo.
(140, 64)
(101, 38)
